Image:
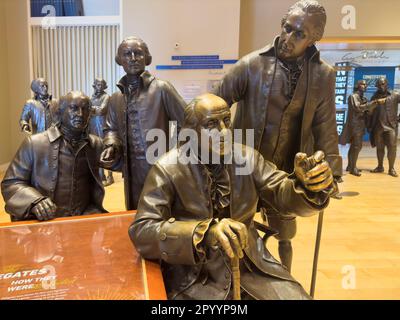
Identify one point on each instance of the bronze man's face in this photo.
(362, 86)
(382, 85)
(296, 36)
(98, 86)
(76, 114)
(42, 88)
(215, 118)
(132, 57)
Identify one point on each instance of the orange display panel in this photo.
(89, 258)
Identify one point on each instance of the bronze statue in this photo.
(144, 103)
(55, 173)
(195, 237)
(356, 123)
(286, 93)
(383, 126)
(100, 100)
(38, 113)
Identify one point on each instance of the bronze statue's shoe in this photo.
(355, 172)
(339, 179)
(378, 170)
(393, 173)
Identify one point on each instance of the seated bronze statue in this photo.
(56, 173)
(196, 217)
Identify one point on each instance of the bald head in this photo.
(203, 107)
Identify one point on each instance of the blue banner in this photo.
(371, 74)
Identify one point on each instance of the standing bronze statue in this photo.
(196, 237)
(286, 93)
(144, 103)
(356, 124)
(55, 173)
(38, 113)
(384, 125)
(100, 100)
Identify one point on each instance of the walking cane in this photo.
(316, 253)
(236, 278)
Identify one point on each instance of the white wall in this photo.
(18, 66)
(260, 20)
(101, 7)
(206, 27)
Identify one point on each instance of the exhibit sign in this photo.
(89, 258)
(344, 82)
(340, 120)
(371, 74)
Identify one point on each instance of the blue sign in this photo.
(197, 63)
(214, 57)
(371, 74)
(190, 67)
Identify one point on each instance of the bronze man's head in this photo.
(99, 85)
(302, 26)
(382, 85)
(361, 85)
(40, 87)
(74, 111)
(133, 55)
(210, 114)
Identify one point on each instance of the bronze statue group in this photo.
(380, 117)
(197, 218)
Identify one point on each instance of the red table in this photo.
(85, 258)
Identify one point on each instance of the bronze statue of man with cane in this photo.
(200, 241)
(286, 93)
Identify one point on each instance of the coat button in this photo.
(163, 237)
(164, 255)
(171, 220)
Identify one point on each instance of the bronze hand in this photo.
(229, 234)
(45, 210)
(313, 172)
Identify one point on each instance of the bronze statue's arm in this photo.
(360, 107)
(17, 192)
(324, 128)
(155, 232)
(285, 193)
(110, 129)
(233, 86)
(25, 117)
(371, 106)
